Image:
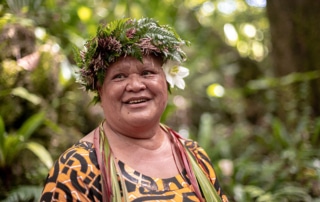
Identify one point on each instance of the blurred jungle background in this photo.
(251, 100)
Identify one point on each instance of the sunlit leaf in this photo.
(23, 93)
(41, 153)
(30, 125)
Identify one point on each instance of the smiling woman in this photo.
(131, 156)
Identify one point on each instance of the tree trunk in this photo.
(295, 39)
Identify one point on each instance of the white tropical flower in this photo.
(175, 74)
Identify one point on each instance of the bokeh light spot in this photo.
(84, 13)
(215, 90)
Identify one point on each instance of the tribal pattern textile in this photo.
(76, 177)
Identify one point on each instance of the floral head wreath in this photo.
(130, 37)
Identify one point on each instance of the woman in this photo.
(131, 156)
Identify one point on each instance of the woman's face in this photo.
(134, 94)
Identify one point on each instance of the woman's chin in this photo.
(141, 120)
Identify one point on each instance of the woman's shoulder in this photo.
(191, 144)
(75, 174)
(81, 153)
(79, 147)
(196, 149)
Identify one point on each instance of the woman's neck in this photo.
(149, 139)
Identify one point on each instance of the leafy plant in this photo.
(14, 143)
(24, 193)
(265, 163)
(291, 193)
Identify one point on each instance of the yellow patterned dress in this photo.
(76, 177)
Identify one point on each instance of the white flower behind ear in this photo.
(175, 74)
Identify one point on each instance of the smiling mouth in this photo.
(136, 101)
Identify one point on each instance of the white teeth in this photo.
(136, 101)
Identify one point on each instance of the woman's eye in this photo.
(119, 76)
(146, 73)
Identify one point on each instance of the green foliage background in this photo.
(258, 156)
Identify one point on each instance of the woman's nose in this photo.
(135, 83)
